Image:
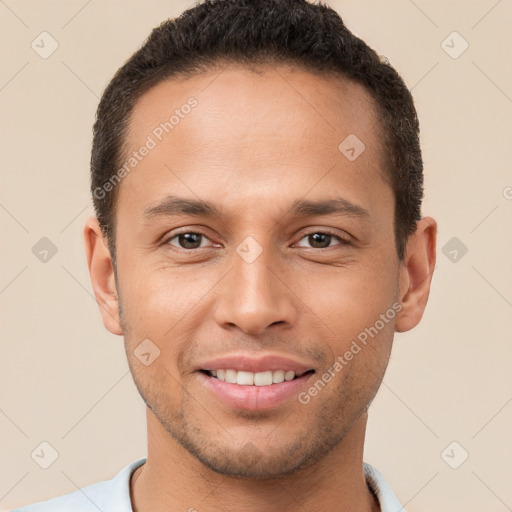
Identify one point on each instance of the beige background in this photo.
(64, 379)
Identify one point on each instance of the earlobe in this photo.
(416, 274)
(102, 275)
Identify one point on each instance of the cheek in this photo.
(157, 298)
(347, 300)
(360, 317)
(161, 305)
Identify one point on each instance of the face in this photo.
(286, 260)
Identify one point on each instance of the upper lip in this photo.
(255, 364)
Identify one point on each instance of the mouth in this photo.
(253, 381)
(263, 378)
(253, 391)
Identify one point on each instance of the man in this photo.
(257, 181)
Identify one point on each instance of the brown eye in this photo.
(188, 240)
(321, 240)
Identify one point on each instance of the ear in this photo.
(416, 274)
(101, 271)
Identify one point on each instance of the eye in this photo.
(187, 240)
(321, 240)
(191, 240)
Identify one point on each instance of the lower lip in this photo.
(254, 397)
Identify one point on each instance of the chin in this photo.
(252, 462)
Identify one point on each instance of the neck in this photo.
(173, 479)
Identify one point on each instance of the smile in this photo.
(245, 378)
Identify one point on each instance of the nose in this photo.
(255, 296)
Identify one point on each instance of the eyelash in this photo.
(343, 241)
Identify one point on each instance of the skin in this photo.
(256, 142)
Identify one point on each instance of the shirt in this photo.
(114, 495)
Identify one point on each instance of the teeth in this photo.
(253, 379)
(278, 377)
(289, 375)
(263, 378)
(245, 378)
(231, 376)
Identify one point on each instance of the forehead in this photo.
(278, 125)
(257, 98)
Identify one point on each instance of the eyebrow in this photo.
(175, 206)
